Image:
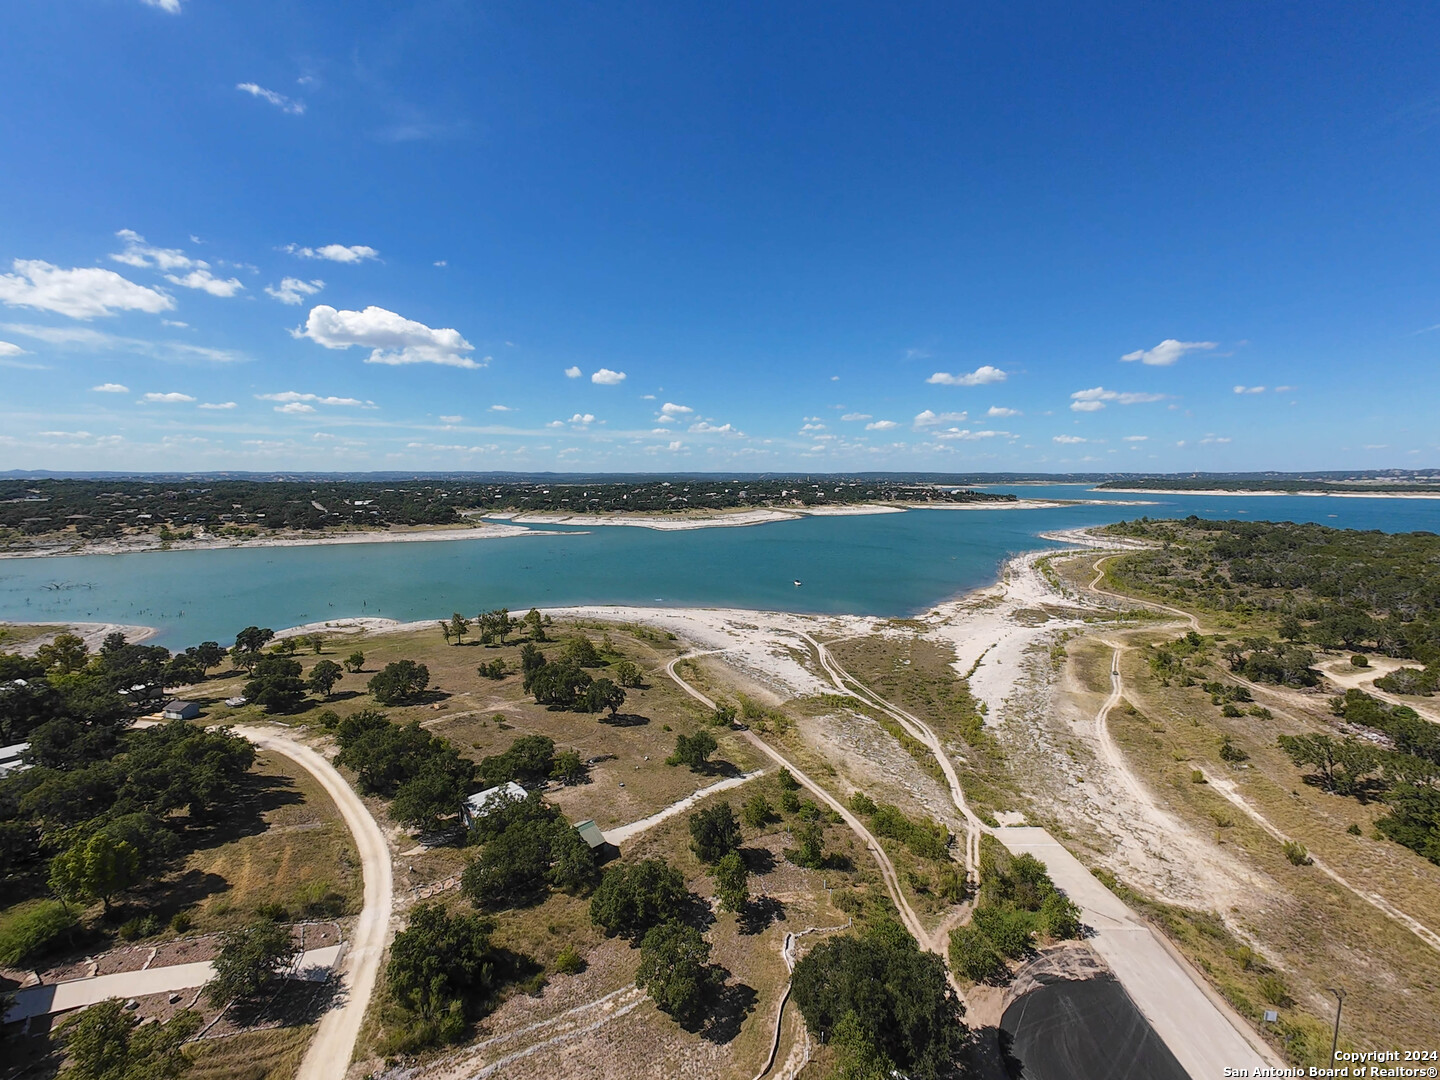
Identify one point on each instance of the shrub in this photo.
(569, 961)
(1011, 930)
(973, 957)
(442, 969)
(1359, 660)
(789, 801)
(1274, 990)
(31, 931)
(1197, 777)
(1353, 829)
(182, 921)
(1296, 853)
(861, 803)
(1230, 752)
(693, 750)
(788, 781)
(756, 811)
(142, 927)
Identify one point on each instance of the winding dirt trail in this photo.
(887, 868)
(1227, 788)
(918, 729)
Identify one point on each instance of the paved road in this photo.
(77, 993)
(331, 1049)
(1186, 1016)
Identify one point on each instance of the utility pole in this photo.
(1339, 1004)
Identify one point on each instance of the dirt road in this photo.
(887, 868)
(328, 1057)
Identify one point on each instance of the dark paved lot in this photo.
(1087, 1030)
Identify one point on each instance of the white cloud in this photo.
(216, 405)
(1136, 438)
(979, 377)
(293, 396)
(671, 446)
(1167, 352)
(175, 323)
(451, 419)
(1285, 389)
(138, 253)
(930, 419)
(998, 412)
(170, 7)
(293, 291)
(704, 427)
(207, 282)
(606, 377)
(10, 349)
(81, 293)
(110, 388)
(280, 101)
(672, 410)
(573, 373)
(392, 338)
(812, 427)
(1067, 440)
(295, 408)
(966, 435)
(1208, 439)
(167, 399)
(1094, 399)
(582, 419)
(84, 338)
(1249, 389)
(856, 416)
(441, 263)
(881, 425)
(340, 253)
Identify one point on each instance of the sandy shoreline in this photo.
(213, 543)
(1227, 491)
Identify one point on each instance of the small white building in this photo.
(180, 710)
(482, 802)
(10, 758)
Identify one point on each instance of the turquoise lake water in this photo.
(883, 564)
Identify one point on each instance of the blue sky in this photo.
(384, 235)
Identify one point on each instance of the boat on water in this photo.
(797, 583)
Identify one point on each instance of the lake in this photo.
(883, 564)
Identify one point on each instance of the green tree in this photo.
(732, 882)
(183, 669)
(857, 1053)
(569, 768)
(443, 969)
(399, 682)
(809, 850)
(899, 996)
(561, 685)
(210, 654)
(66, 654)
(674, 968)
(459, 627)
(603, 694)
(323, 677)
(34, 930)
(444, 625)
(249, 642)
(627, 674)
(96, 867)
(251, 959)
(534, 625)
(105, 1042)
(355, 662)
(694, 750)
(788, 781)
(529, 761)
(275, 684)
(316, 642)
(724, 715)
(714, 832)
(430, 795)
(631, 898)
(756, 811)
(973, 957)
(580, 650)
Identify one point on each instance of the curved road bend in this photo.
(328, 1057)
